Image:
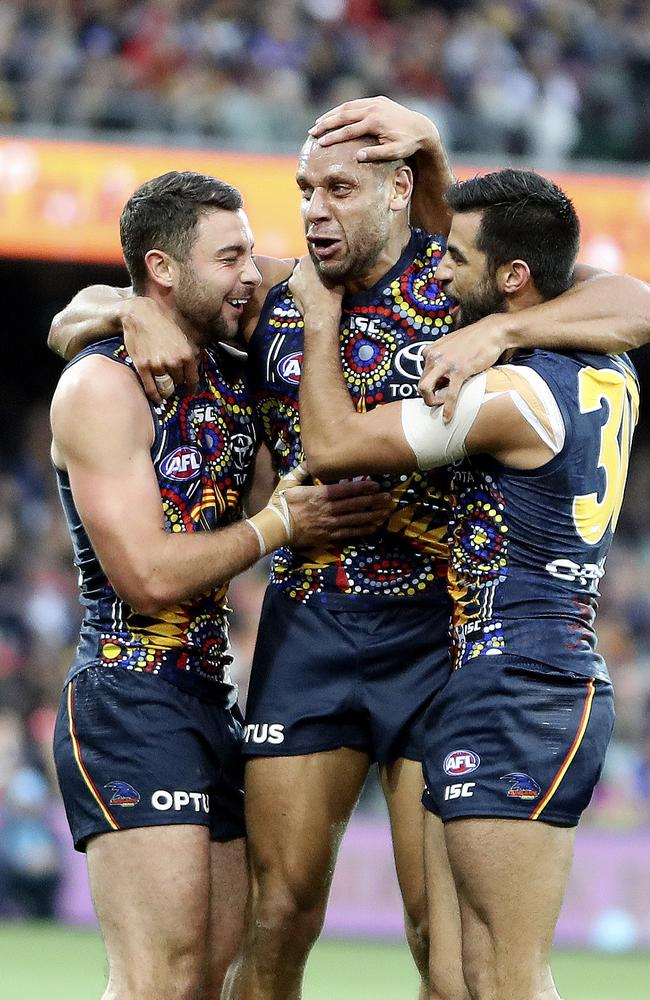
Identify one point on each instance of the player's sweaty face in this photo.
(344, 209)
(219, 277)
(464, 274)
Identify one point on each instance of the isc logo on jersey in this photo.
(460, 762)
(181, 464)
(290, 367)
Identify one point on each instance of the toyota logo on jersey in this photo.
(461, 762)
(290, 366)
(409, 361)
(181, 464)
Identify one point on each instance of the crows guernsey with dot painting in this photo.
(384, 332)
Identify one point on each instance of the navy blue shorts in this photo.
(511, 739)
(131, 750)
(324, 679)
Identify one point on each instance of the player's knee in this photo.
(416, 920)
(290, 910)
(416, 923)
(478, 971)
(173, 971)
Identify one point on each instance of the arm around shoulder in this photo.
(92, 315)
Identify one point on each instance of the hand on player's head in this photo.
(399, 131)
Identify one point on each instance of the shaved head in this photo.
(349, 207)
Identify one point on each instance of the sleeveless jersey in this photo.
(528, 547)
(202, 454)
(383, 333)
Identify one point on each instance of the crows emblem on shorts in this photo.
(123, 794)
(522, 786)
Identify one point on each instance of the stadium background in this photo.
(96, 96)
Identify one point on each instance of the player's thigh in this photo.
(296, 811)
(511, 875)
(150, 887)
(445, 943)
(403, 784)
(227, 904)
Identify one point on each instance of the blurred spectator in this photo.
(29, 851)
(546, 79)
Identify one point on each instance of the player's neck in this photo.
(388, 257)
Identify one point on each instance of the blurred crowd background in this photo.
(550, 79)
(555, 79)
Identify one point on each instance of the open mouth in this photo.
(323, 247)
(238, 305)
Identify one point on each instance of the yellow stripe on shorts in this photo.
(582, 728)
(80, 764)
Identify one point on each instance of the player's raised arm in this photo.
(158, 347)
(92, 315)
(401, 134)
(603, 313)
(506, 412)
(337, 440)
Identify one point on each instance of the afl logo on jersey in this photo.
(181, 464)
(409, 361)
(290, 367)
(461, 762)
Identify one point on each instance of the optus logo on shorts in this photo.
(181, 464)
(263, 732)
(179, 799)
(461, 762)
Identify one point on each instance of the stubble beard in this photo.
(358, 261)
(487, 300)
(209, 327)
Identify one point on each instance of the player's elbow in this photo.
(639, 299)
(55, 338)
(61, 338)
(325, 462)
(146, 592)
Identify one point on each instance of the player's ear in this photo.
(160, 267)
(514, 276)
(402, 188)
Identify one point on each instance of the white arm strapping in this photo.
(533, 398)
(433, 442)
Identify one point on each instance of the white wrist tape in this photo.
(273, 525)
(433, 442)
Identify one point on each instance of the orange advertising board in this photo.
(62, 201)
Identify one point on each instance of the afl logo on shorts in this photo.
(290, 367)
(461, 762)
(181, 464)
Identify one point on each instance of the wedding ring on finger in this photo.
(164, 385)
